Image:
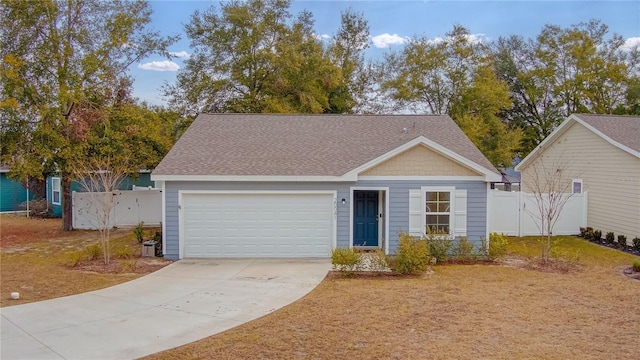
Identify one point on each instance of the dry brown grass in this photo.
(455, 312)
(34, 254)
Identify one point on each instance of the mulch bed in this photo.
(603, 242)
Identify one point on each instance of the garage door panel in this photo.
(257, 225)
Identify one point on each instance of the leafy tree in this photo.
(455, 75)
(347, 52)
(565, 71)
(255, 57)
(63, 65)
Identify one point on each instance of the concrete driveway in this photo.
(183, 302)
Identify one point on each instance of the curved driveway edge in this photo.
(181, 303)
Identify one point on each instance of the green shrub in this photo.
(73, 259)
(583, 232)
(610, 237)
(138, 231)
(412, 255)
(94, 252)
(157, 237)
(622, 242)
(497, 245)
(636, 266)
(439, 244)
(636, 243)
(346, 260)
(588, 232)
(597, 235)
(463, 250)
(378, 261)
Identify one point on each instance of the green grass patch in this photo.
(587, 253)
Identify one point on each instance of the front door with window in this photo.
(365, 218)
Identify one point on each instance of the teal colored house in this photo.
(54, 189)
(12, 193)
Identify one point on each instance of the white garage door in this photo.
(257, 225)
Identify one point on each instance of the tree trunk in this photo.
(66, 202)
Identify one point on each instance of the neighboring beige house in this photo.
(597, 154)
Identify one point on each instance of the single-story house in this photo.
(12, 192)
(600, 155)
(248, 185)
(54, 189)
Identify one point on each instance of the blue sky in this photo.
(392, 22)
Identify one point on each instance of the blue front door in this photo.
(365, 218)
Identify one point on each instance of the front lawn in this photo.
(455, 311)
(35, 258)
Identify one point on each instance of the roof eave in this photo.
(573, 118)
(489, 175)
(254, 178)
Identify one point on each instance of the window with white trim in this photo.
(441, 207)
(576, 186)
(55, 191)
(438, 211)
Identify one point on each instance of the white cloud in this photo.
(384, 40)
(631, 42)
(180, 54)
(322, 37)
(472, 38)
(165, 65)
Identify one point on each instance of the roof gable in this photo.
(620, 131)
(321, 147)
(419, 160)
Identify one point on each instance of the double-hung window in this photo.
(55, 191)
(438, 211)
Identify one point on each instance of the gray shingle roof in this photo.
(303, 145)
(620, 128)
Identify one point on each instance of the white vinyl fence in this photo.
(130, 208)
(516, 214)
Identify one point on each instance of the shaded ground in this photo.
(503, 311)
(35, 257)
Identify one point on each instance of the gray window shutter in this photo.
(415, 212)
(460, 221)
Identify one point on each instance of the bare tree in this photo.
(100, 179)
(549, 181)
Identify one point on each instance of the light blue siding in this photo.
(398, 205)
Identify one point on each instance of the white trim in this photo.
(564, 127)
(254, 178)
(489, 175)
(53, 178)
(422, 178)
(181, 234)
(577, 181)
(386, 213)
(487, 212)
(164, 215)
(452, 204)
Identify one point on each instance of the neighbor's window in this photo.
(576, 186)
(438, 211)
(55, 191)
